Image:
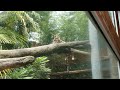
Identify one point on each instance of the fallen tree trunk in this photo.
(41, 50)
(26, 55)
(15, 62)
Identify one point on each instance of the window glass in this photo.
(93, 59)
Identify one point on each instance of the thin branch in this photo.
(70, 72)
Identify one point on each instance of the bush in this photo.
(37, 70)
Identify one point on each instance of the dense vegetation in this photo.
(15, 32)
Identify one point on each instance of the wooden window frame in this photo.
(103, 23)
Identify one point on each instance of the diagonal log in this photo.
(41, 50)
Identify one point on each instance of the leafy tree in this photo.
(45, 26)
(46, 29)
(73, 26)
(15, 27)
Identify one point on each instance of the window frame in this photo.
(102, 21)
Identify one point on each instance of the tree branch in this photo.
(15, 62)
(80, 52)
(70, 72)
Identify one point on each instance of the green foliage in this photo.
(21, 22)
(70, 25)
(37, 70)
(15, 27)
(74, 26)
(46, 27)
(8, 37)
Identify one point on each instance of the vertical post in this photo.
(95, 56)
(113, 65)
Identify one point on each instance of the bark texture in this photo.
(15, 62)
(41, 50)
